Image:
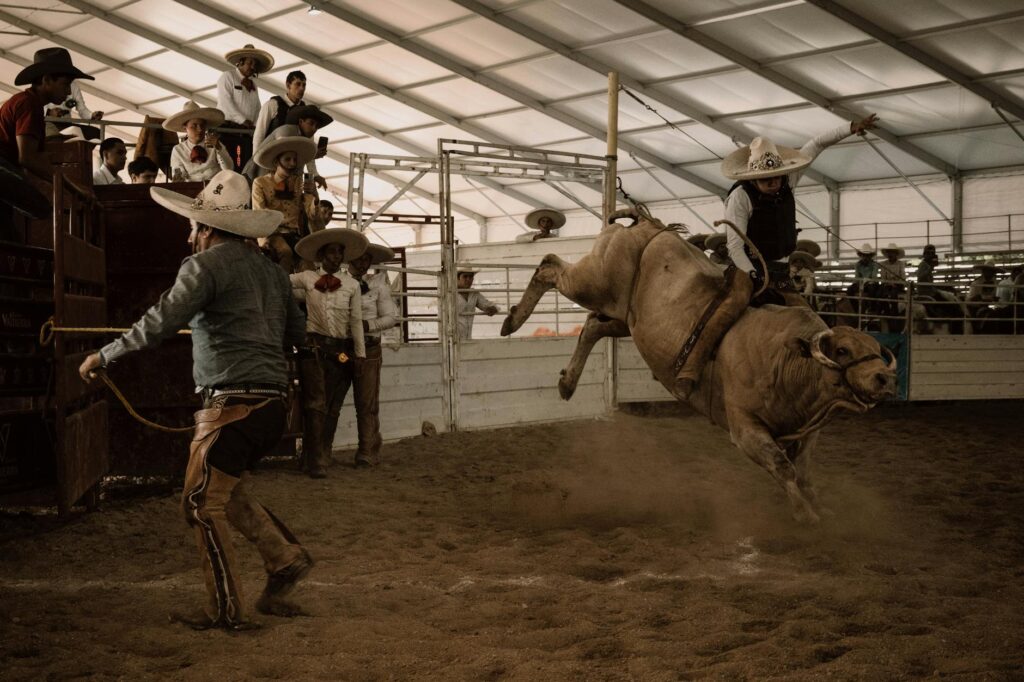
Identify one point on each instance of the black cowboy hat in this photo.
(309, 111)
(50, 61)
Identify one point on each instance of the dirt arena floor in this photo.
(640, 547)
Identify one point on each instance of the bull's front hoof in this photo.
(509, 325)
(566, 388)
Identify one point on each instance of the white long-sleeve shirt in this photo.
(216, 161)
(237, 103)
(338, 313)
(105, 176)
(738, 207)
(466, 304)
(379, 309)
(267, 113)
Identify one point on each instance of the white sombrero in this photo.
(176, 123)
(264, 60)
(714, 240)
(762, 158)
(223, 204)
(893, 247)
(804, 259)
(534, 216)
(286, 138)
(808, 246)
(380, 253)
(987, 265)
(866, 250)
(354, 242)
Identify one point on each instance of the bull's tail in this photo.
(753, 249)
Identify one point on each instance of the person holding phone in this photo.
(201, 155)
(310, 119)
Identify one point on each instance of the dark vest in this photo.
(283, 107)
(772, 224)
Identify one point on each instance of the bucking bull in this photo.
(771, 376)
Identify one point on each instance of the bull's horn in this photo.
(818, 355)
(892, 358)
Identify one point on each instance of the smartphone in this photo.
(321, 144)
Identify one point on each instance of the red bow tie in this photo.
(327, 283)
(198, 154)
(248, 84)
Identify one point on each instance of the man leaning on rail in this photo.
(240, 308)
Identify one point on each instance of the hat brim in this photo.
(266, 155)
(807, 246)
(697, 240)
(714, 241)
(805, 259)
(735, 167)
(176, 123)
(901, 252)
(380, 253)
(355, 243)
(243, 222)
(322, 119)
(33, 71)
(264, 60)
(534, 216)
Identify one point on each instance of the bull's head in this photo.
(857, 358)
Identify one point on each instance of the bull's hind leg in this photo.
(757, 444)
(595, 328)
(545, 277)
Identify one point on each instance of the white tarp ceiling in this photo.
(398, 74)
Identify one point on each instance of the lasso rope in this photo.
(748, 242)
(46, 333)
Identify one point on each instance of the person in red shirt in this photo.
(22, 133)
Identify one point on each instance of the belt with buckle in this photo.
(261, 390)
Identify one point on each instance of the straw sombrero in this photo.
(354, 242)
(762, 158)
(804, 260)
(866, 250)
(534, 216)
(808, 246)
(176, 123)
(893, 247)
(223, 204)
(714, 240)
(308, 111)
(380, 253)
(286, 138)
(264, 60)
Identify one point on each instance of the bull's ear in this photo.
(799, 346)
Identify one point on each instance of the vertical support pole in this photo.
(611, 153)
(481, 224)
(958, 213)
(448, 328)
(909, 334)
(362, 185)
(351, 190)
(833, 219)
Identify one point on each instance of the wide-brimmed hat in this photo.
(698, 240)
(866, 250)
(286, 138)
(714, 240)
(762, 158)
(223, 204)
(264, 60)
(380, 253)
(308, 111)
(893, 247)
(355, 243)
(988, 264)
(808, 246)
(804, 260)
(534, 216)
(50, 61)
(466, 270)
(176, 123)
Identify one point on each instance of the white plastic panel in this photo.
(391, 65)
(479, 43)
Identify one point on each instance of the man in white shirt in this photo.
(334, 338)
(379, 314)
(762, 206)
(545, 221)
(76, 102)
(113, 155)
(239, 99)
(200, 155)
(274, 112)
(467, 302)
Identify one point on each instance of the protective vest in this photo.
(772, 224)
(283, 107)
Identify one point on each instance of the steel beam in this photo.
(723, 50)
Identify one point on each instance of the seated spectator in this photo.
(718, 245)
(142, 171)
(865, 272)
(76, 102)
(200, 155)
(22, 135)
(983, 289)
(1005, 288)
(113, 155)
(285, 152)
(892, 269)
(545, 221)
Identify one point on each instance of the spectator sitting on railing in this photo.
(76, 102)
(893, 270)
(142, 171)
(22, 135)
(113, 155)
(467, 301)
(200, 155)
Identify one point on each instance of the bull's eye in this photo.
(842, 351)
